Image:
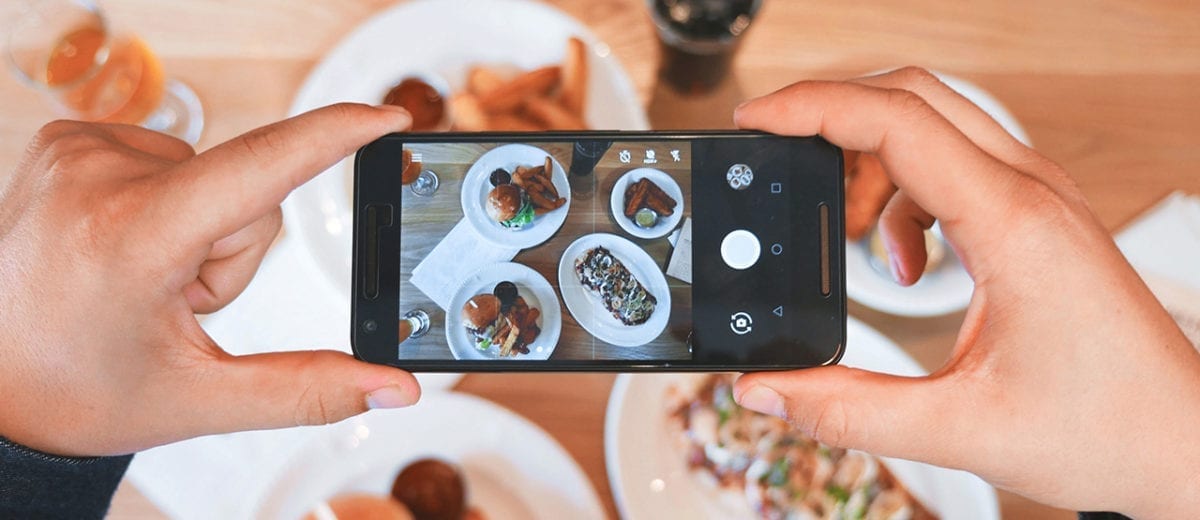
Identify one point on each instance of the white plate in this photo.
(441, 37)
(530, 285)
(512, 468)
(666, 183)
(586, 307)
(650, 479)
(477, 184)
(948, 288)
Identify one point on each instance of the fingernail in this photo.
(762, 400)
(391, 108)
(894, 265)
(389, 397)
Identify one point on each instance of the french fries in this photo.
(552, 97)
(645, 194)
(574, 77)
(536, 182)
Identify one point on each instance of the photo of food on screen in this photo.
(571, 250)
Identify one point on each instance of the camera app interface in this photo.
(546, 250)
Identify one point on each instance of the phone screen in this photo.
(608, 250)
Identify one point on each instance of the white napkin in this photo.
(1163, 245)
(288, 306)
(458, 255)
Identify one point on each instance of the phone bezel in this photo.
(380, 345)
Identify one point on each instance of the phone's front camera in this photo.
(370, 326)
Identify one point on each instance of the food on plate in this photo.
(645, 218)
(520, 196)
(422, 100)
(574, 76)
(507, 293)
(645, 194)
(551, 97)
(510, 205)
(409, 169)
(502, 319)
(499, 176)
(432, 490)
(619, 291)
(780, 471)
(360, 506)
(868, 190)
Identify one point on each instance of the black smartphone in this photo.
(599, 251)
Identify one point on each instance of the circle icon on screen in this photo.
(740, 249)
(739, 177)
(741, 323)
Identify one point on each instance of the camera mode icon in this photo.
(741, 323)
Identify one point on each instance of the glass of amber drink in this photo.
(67, 50)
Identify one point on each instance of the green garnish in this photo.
(523, 217)
(838, 494)
(778, 475)
(484, 345)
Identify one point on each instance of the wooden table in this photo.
(1107, 89)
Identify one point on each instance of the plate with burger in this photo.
(516, 195)
(503, 311)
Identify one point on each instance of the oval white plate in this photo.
(650, 478)
(948, 288)
(530, 285)
(664, 181)
(586, 307)
(412, 38)
(513, 469)
(477, 185)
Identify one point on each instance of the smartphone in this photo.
(599, 251)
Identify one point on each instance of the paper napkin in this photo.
(450, 262)
(1163, 245)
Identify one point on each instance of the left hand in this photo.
(113, 237)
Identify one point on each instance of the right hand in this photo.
(1068, 383)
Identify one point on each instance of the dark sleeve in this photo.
(39, 485)
(1103, 516)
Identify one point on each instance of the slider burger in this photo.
(509, 205)
(480, 315)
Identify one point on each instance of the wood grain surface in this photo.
(1106, 88)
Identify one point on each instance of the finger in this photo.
(150, 142)
(961, 112)
(902, 226)
(231, 264)
(237, 182)
(923, 153)
(851, 408)
(283, 389)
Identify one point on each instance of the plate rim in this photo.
(566, 265)
(437, 404)
(627, 225)
(527, 270)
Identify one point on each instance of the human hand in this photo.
(113, 237)
(1068, 382)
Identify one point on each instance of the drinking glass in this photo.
(67, 50)
(698, 39)
(414, 324)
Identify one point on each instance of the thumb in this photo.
(846, 407)
(282, 389)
